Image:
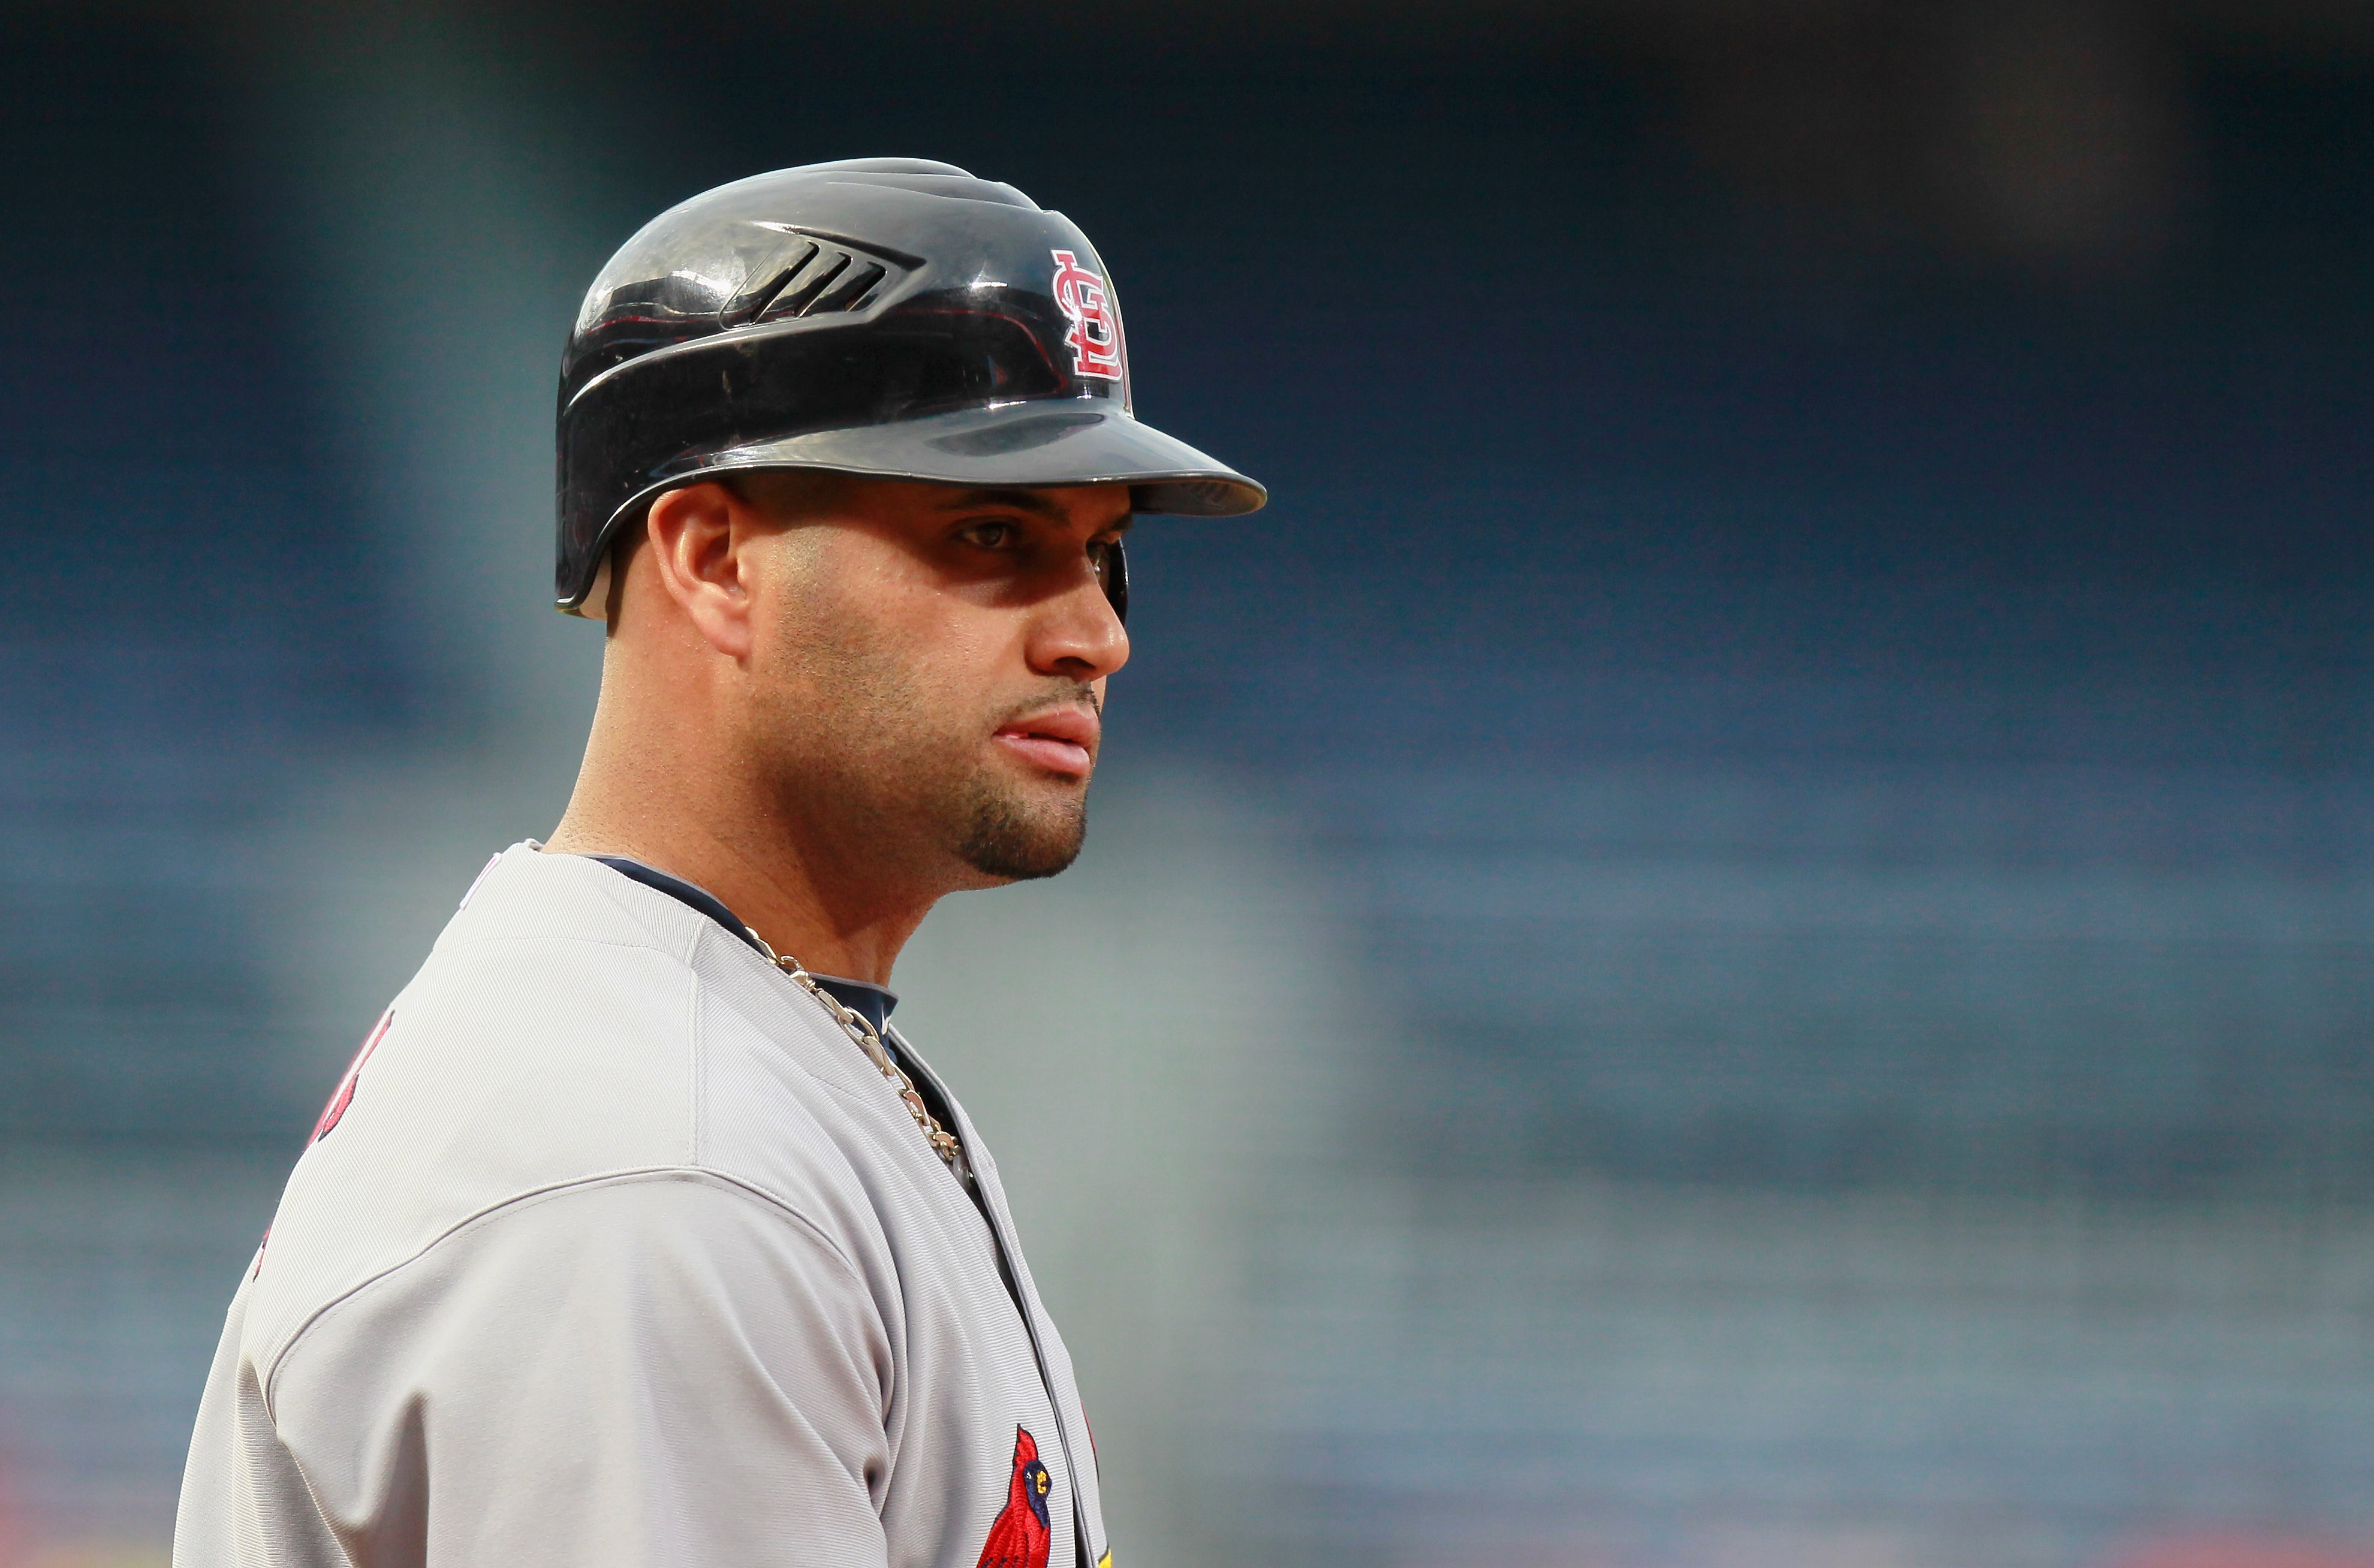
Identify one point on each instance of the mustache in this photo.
(1064, 694)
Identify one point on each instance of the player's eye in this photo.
(990, 536)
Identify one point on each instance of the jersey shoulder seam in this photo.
(494, 939)
(821, 1034)
(271, 1375)
(606, 888)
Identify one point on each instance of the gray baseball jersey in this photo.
(614, 1251)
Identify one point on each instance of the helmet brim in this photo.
(1036, 444)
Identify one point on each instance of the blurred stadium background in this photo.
(1736, 936)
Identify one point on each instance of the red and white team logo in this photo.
(344, 1095)
(1020, 1535)
(1095, 338)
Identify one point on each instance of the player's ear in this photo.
(697, 556)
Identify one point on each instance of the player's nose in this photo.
(1077, 632)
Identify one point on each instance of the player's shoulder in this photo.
(570, 1028)
(527, 894)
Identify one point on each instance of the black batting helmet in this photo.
(886, 317)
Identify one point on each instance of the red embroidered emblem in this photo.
(1095, 338)
(345, 1091)
(1018, 1537)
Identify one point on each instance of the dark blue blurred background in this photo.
(1809, 643)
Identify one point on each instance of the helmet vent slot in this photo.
(795, 300)
(752, 302)
(848, 295)
(822, 278)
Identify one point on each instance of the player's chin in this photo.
(1022, 833)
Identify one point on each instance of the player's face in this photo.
(936, 658)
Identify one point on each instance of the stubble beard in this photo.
(1012, 839)
(905, 774)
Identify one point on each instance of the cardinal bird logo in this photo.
(1018, 1536)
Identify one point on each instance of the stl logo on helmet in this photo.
(1095, 338)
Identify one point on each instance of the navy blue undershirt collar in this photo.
(862, 997)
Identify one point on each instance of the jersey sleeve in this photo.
(639, 1372)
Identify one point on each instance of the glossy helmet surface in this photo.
(884, 317)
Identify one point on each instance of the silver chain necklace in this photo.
(854, 1025)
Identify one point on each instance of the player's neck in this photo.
(774, 895)
(665, 799)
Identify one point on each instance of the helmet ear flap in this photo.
(1112, 575)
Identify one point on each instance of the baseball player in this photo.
(637, 1234)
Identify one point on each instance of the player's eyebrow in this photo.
(1020, 500)
(1025, 501)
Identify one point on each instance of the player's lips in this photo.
(1062, 740)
